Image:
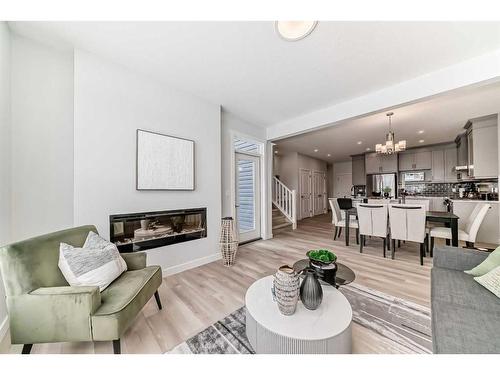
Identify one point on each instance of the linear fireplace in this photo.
(147, 230)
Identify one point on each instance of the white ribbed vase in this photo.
(286, 288)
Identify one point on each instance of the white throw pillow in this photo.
(98, 263)
(491, 281)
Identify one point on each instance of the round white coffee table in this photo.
(321, 331)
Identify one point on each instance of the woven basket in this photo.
(228, 242)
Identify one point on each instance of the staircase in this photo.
(284, 206)
(280, 221)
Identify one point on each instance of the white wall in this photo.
(42, 139)
(231, 124)
(110, 104)
(5, 176)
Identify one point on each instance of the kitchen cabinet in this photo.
(450, 162)
(358, 170)
(416, 160)
(378, 163)
(483, 147)
(438, 166)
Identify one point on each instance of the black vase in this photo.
(311, 293)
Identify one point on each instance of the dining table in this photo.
(449, 219)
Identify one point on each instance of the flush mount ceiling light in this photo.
(294, 30)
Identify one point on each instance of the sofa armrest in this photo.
(457, 258)
(135, 261)
(53, 314)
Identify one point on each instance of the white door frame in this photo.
(310, 190)
(265, 180)
(255, 233)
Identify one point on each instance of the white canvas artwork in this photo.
(164, 162)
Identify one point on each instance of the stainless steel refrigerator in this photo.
(377, 182)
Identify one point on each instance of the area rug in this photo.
(406, 326)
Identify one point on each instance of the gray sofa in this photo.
(465, 315)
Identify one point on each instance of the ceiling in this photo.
(441, 119)
(251, 72)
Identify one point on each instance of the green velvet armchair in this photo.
(43, 308)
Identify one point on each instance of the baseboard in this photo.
(4, 327)
(191, 264)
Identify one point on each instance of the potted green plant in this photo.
(387, 191)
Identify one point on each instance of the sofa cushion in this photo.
(122, 300)
(457, 288)
(464, 314)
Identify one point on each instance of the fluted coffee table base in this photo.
(322, 331)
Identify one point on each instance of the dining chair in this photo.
(469, 231)
(407, 223)
(345, 203)
(339, 222)
(372, 221)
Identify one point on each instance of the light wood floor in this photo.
(194, 299)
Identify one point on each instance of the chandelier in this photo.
(390, 145)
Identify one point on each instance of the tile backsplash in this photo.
(427, 189)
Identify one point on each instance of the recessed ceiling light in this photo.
(360, 142)
(294, 30)
(420, 132)
(421, 141)
(368, 149)
(316, 150)
(329, 155)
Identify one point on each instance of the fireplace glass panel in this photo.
(148, 230)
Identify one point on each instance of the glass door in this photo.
(248, 196)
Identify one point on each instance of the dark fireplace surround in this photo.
(148, 230)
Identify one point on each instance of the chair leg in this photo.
(362, 238)
(340, 232)
(427, 242)
(335, 233)
(27, 348)
(385, 240)
(357, 236)
(422, 250)
(432, 246)
(393, 248)
(399, 243)
(117, 348)
(158, 301)
(425, 245)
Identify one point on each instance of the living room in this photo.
(145, 167)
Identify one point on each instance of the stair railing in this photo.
(285, 200)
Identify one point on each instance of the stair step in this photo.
(283, 225)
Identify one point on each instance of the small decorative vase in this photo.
(311, 293)
(286, 289)
(145, 224)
